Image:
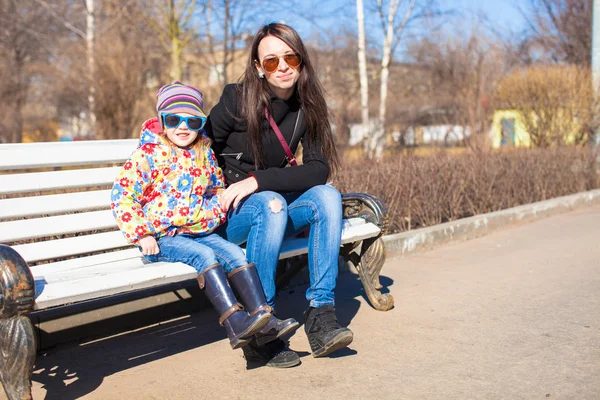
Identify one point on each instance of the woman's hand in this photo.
(237, 191)
(149, 245)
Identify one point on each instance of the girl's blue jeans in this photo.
(264, 219)
(199, 251)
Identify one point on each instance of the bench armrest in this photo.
(369, 255)
(366, 206)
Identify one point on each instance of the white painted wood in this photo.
(53, 204)
(71, 179)
(116, 269)
(103, 285)
(59, 248)
(129, 255)
(59, 225)
(53, 154)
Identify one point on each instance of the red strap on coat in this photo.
(289, 156)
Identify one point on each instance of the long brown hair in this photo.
(256, 95)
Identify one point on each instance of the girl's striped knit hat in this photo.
(179, 98)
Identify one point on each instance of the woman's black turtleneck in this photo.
(231, 145)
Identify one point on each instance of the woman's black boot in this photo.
(246, 282)
(240, 325)
(325, 335)
(275, 354)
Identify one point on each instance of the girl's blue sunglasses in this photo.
(174, 120)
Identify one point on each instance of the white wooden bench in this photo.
(60, 245)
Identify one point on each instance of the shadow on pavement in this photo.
(77, 369)
(72, 371)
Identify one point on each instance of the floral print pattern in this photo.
(161, 190)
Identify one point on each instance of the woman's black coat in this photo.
(229, 134)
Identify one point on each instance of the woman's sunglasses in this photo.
(270, 64)
(174, 120)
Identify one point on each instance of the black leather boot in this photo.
(246, 282)
(275, 354)
(325, 335)
(240, 326)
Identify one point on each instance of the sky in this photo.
(310, 16)
(504, 13)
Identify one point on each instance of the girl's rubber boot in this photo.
(246, 282)
(240, 325)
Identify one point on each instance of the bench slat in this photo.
(58, 248)
(53, 154)
(53, 204)
(60, 225)
(107, 284)
(106, 274)
(116, 268)
(129, 255)
(70, 179)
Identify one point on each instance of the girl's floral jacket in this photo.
(161, 191)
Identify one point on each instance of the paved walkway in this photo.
(513, 315)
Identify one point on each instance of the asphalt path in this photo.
(512, 315)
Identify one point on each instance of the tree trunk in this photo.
(90, 39)
(174, 29)
(17, 136)
(377, 140)
(362, 67)
(176, 70)
(226, 41)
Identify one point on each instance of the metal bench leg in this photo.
(371, 256)
(17, 338)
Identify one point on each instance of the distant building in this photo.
(434, 135)
(508, 129)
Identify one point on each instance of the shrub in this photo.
(556, 103)
(422, 191)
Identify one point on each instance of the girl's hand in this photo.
(149, 245)
(237, 191)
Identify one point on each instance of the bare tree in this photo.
(21, 48)
(228, 26)
(393, 29)
(335, 62)
(562, 28)
(393, 32)
(463, 73)
(172, 21)
(362, 66)
(90, 43)
(89, 35)
(126, 73)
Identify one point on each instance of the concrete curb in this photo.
(479, 225)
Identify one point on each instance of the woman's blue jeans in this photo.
(264, 219)
(199, 251)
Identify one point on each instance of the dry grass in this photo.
(422, 191)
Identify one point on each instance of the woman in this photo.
(266, 201)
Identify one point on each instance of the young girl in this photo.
(166, 201)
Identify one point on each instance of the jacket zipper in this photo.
(237, 155)
(295, 126)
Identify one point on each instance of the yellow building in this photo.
(508, 130)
